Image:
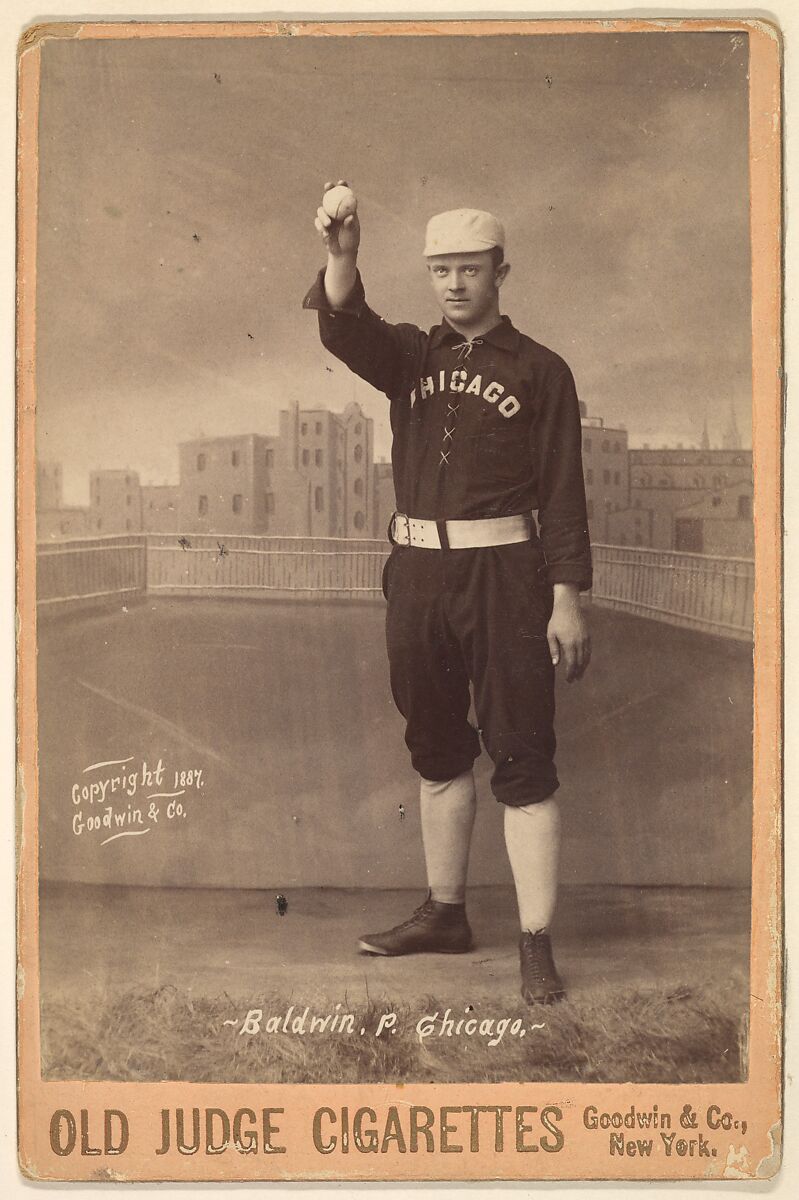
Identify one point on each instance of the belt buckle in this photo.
(398, 516)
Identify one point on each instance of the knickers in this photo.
(480, 616)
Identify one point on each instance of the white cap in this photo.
(462, 231)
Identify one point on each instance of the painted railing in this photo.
(713, 594)
(82, 570)
(695, 590)
(337, 568)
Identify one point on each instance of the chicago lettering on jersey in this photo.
(458, 381)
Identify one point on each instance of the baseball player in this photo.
(486, 430)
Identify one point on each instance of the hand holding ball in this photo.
(339, 202)
(337, 220)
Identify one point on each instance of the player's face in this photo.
(466, 287)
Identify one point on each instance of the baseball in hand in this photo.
(339, 202)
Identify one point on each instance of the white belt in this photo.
(459, 534)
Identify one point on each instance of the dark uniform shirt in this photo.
(482, 428)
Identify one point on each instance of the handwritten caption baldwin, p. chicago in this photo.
(300, 1021)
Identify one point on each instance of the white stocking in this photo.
(447, 814)
(532, 837)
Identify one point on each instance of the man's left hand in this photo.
(567, 632)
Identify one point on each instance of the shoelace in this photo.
(536, 951)
(423, 909)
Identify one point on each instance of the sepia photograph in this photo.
(394, 559)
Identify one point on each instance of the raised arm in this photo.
(341, 239)
(384, 355)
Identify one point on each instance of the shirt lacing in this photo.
(464, 350)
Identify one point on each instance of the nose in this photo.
(455, 283)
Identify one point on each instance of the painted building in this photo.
(668, 479)
(606, 472)
(159, 508)
(720, 523)
(359, 497)
(312, 444)
(49, 485)
(639, 526)
(53, 524)
(240, 484)
(699, 501)
(385, 499)
(334, 453)
(114, 501)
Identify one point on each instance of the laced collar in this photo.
(465, 348)
(503, 335)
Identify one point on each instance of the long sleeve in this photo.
(383, 354)
(557, 447)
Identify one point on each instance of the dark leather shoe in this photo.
(433, 928)
(541, 983)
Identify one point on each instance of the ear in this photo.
(501, 274)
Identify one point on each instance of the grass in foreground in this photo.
(680, 1035)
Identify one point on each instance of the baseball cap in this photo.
(461, 231)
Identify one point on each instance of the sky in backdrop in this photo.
(179, 180)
